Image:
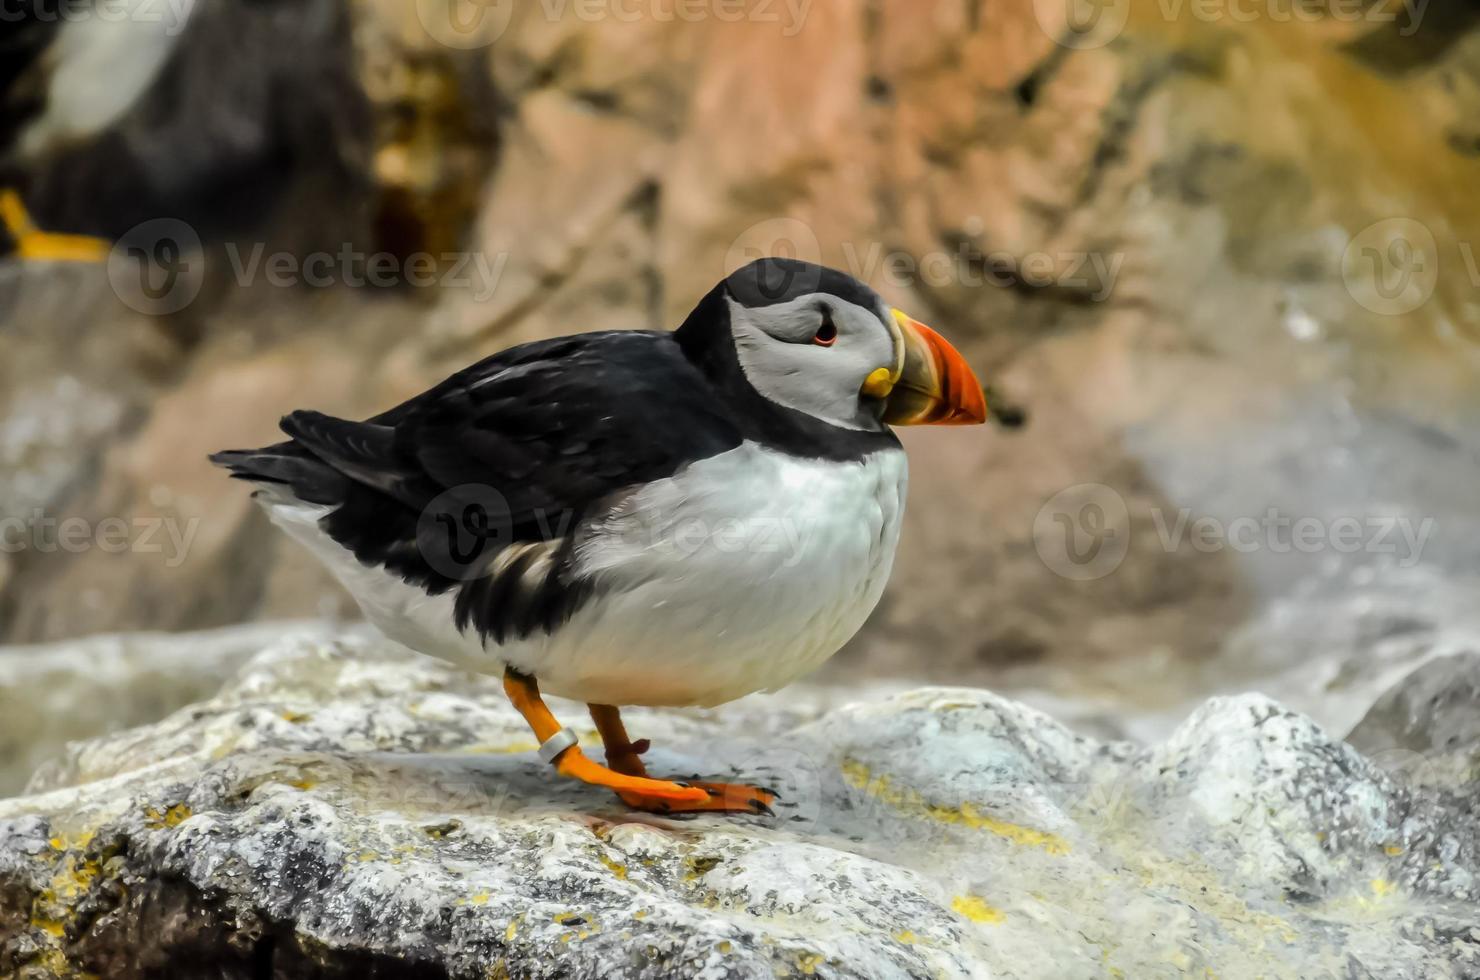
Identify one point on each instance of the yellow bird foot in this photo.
(35, 245)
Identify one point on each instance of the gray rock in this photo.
(53, 693)
(1436, 709)
(345, 808)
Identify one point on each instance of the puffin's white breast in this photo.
(101, 64)
(738, 574)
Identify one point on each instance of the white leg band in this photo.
(556, 744)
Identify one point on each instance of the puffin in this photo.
(657, 518)
(66, 76)
(115, 113)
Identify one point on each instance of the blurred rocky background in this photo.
(1223, 256)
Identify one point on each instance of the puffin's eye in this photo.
(826, 334)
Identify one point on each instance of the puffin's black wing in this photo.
(478, 483)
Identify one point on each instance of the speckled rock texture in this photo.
(344, 808)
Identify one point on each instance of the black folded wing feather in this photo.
(477, 484)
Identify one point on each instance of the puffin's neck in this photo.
(705, 339)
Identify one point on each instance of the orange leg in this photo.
(622, 754)
(525, 695)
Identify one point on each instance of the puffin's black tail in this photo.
(285, 465)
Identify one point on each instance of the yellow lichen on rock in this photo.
(808, 963)
(975, 908)
(54, 908)
(64, 842)
(615, 867)
(910, 801)
(171, 817)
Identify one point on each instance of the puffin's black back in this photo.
(519, 448)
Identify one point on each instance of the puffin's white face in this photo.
(818, 341)
(816, 354)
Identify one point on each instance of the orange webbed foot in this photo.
(722, 798)
(662, 792)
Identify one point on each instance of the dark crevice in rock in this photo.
(882, 122)
(973, 15)
(1465, 144)
(166, 927)
(1118, 123)
(647, 203)
(1410, 43)
(1026, 91)
(600, 101)
(879, 89)
(428, 203)
(1005, 272)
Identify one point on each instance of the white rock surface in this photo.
(345, 809)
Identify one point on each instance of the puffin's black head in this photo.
(818, 341)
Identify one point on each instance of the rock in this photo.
(1436, 709)
(53, 693)
(1428, 727)
(345, 808)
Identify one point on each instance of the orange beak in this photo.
(933, 384)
